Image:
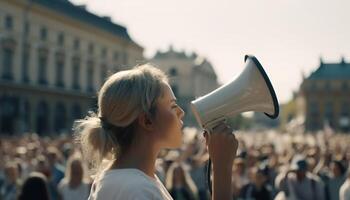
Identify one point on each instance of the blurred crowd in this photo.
(269, 165)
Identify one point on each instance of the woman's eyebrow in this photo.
(173, 100)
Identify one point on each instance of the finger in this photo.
(204, 133)
(206, 136)
(227, 130)
(220, 128)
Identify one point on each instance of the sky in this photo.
(289, 37)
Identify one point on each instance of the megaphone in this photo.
(251, 91)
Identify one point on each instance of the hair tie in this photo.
(106, 125)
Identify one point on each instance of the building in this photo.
(190, 77)
(54, 57)
(326, 93)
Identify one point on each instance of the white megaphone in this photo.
(251, 91)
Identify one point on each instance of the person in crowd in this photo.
(240, 176)
(10, 186)
(57, 170)
(74, 186)
(344, 192)
(198, 174)
(298, 183)
(257, 189)
(180, 184)
(34, 187)
(336, 180)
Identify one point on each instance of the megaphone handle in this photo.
(211, 125)
(209, 183)
(209, 128)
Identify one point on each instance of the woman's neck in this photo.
(142, 157)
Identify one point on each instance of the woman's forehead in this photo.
(168, 94)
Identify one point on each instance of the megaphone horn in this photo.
(251, 91)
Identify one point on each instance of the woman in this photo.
(73, 186)
(335, 180)
(137, 117)
(35, 187)
(180, 184)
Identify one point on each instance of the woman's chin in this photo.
(176, 145)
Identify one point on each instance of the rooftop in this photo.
(328, 71)
(80, 13)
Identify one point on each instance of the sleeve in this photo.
(146, 192)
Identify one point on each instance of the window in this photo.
(345, 108)
(116, 56)
(60, 39)
(90, 76)
(313, 86)
(104, 52)
(25, 66)
(59, 73)
(76, 44)
(91, 49)
(173, 71)
(76, 73)
(43, 33)
(8, 22)
(41, 118)
(42, 62)
(60, 117)
(76, 111)
(329, 113)
(314, 107)
(26, 115)
(103, 73)
(7, 64)
(344, 86)
(26, 27)
(125, 58)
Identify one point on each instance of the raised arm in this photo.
(222, 146)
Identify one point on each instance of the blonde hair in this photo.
(108, 133)
(75, 158)
(188, 182)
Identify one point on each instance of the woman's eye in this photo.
(174, 106)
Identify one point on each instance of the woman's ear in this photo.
(146, 121)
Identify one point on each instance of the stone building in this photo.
(54, 57)
(190, 76)
(326, 94)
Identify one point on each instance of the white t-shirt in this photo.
(127, 184)
(79, 193)
(344, 193)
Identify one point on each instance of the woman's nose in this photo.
(182, 113)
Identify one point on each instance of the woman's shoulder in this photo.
(125, 184)
(126, 176)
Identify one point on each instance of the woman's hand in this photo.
(222, 146)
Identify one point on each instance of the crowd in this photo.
(269, 165)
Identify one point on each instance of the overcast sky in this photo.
(287, 36)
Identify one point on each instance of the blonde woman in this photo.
(137, 117)
(74, 186)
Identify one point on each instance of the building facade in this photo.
(326, 94)
(54, 58)
(189, 76)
